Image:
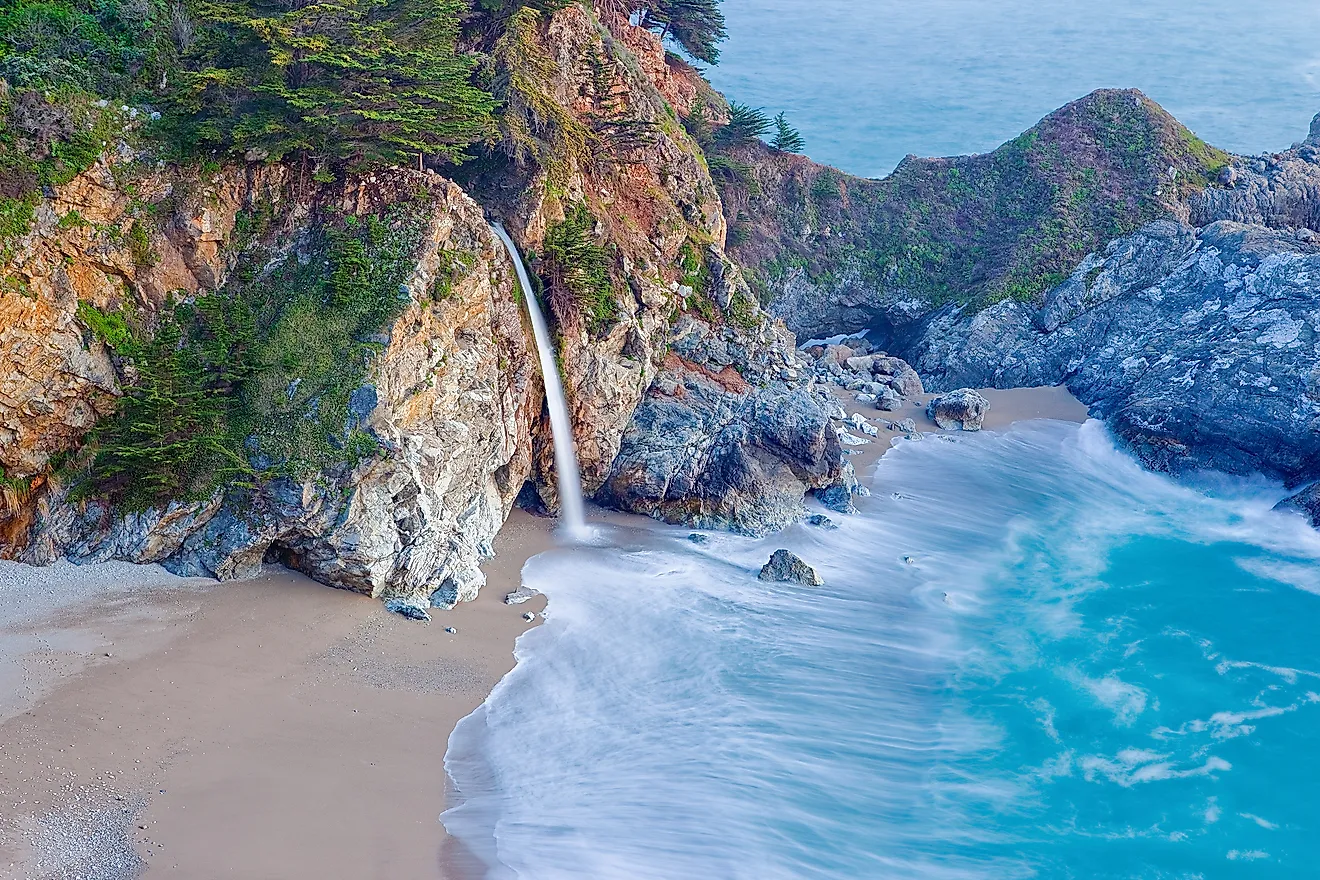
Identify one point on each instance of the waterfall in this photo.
(566, 464)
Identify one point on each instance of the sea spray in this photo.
(566, 463)
(1030, 658)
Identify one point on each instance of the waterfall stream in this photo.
(566, 463)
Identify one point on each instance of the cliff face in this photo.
(261, 279)
(450, 398)
(601, 129)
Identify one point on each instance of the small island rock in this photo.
(788, 567)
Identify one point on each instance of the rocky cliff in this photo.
(1171, 286)
(224, 365)
(449, 398)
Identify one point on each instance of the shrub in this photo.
(578, 269)
(254, 381)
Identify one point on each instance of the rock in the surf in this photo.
(786, 567)
(1305, 502)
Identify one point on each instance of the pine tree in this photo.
(787, 138)
(746, 125)
(366, 80)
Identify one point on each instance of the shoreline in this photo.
(270, 727)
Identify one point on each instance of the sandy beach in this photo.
(271, 728)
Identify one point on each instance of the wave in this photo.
(1030, 658)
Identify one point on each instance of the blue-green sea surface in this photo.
(1030, 658)
(869, 81)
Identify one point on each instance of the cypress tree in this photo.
(787, 138)
(365, 80)
(696, 25)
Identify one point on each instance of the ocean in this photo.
(1030, 658)
(869, 81)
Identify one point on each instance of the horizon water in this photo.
(869, 82)
(1030, 658)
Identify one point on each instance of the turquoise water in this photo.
(1030, 659)
(869, 81)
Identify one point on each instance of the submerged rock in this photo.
(821, 521)
(786, 567)
(1305, 502)
(963, 409)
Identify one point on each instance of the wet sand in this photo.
(1006, 407)
(270, 728)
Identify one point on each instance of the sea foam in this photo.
(1030, 658)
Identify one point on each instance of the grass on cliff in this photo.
(1010, 224)
(252, 382)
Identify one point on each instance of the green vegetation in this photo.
(746, 125)
(578, 270)
(363, 80)
(787, 138)
(534, 125)
(696, 25)
(14, 492)
(255, 381)
(1010, 224)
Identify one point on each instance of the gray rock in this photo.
(1305, 502)
(837, 498)
(1211, 364)
(698, 538)
(407, 609)
(529, 616)
(786, 567)
(905, 426)
(889, 401)
(726, 454)
(821, 521)
(963, 409)
(519, 596)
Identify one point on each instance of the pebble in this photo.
(529, 616)
(451, 630)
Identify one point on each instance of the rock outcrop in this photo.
(687, 403)
(1199, 347)
(1194, 336)
(725, 438)
(451, 400)
(839, 254)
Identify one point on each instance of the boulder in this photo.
(408, 610)
(860, 364)
(786, 567)
(963, 409)
(889, 401)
